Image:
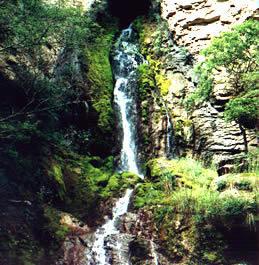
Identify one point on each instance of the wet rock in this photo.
(77, 242)
(128, 222)
(117, 247)
(140, 251)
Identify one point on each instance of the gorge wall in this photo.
(55, 101)
(188, 28)
(58, 170)
(195, 22)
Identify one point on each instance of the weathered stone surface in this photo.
(78, 240)
(215, 139)
(178, 83)
(196, 22)
(204, 132)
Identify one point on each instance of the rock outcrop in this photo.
(204, 132)
(195, 22)
(74, 247)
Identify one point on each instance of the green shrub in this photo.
(221, 185)
(244, 185)
(236, 52)
(244, 110)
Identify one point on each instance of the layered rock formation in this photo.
(191, 26)
(195, 22)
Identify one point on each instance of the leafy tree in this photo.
(237, 53)
(27, 29)
(38, 104)
(29, 24)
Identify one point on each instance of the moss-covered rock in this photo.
(100, 77)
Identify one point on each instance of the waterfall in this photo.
(170, 146)
(125, 63)
(98, 253)
(153, 253)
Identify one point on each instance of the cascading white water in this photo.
(128, 152)
(109, 228)
(169, 136)
(153, 252)
(125, 63)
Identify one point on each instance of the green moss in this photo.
(147, 194)
(211, 257)
(163, 83)
(119, 182)
(91, 180)
(57, 175)
(130, 178)
(100, 76)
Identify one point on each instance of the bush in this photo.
(236, 52)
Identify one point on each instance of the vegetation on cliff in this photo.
(100, 76)
(235, 53)
(57, 134)
(27, 25)
(56, 84)
(195, 211)
(153, 81)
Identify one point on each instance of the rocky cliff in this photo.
(195, 22)
(190, 27)
(58, 176)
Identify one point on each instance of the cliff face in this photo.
(195, 22)
(191, 26)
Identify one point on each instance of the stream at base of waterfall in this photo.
(125, 62)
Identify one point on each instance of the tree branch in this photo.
(39, 110)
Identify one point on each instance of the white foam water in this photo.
(126, 62)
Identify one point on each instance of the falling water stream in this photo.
(169, 136)
(125, 63)
(126, 60)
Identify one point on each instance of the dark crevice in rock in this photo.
(126, 11)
